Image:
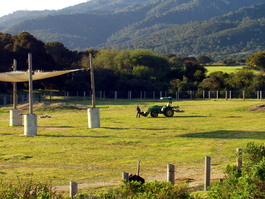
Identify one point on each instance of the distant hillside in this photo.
(92, 7)
(213, 27)
(236, 34)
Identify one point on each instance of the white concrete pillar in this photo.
(93, 117)
(15, 117)
(30, 124)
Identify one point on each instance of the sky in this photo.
(9, 6)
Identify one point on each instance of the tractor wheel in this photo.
(154, 114)
(168, 112)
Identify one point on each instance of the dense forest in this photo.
(123, 70)
(216, 28)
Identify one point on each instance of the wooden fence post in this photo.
(260, 95)
(176, 94)
(125, 176)
(207, 178)
(171, 173)
(239, 158)
(73, 189)
(4, 100)
(116, 95)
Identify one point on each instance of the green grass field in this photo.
(225, 69)
(67, 150)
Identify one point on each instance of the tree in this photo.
(158, 64)
(106, 59)
(229, 61)
(202, 59)
(60, 54)
(215, 81)
(194, 71)
(256, 61)
(241, 80)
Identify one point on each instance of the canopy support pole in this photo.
(93, 113)
(30, 120)
(15, 115)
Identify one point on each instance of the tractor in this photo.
(168, 110)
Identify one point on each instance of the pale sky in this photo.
(10, 6)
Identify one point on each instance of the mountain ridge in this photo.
(132, 24)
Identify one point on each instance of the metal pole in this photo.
(92, 82)
(14, 86)
(30, 84)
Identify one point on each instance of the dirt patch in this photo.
(53, 106)
(259, 107)
(195, 178)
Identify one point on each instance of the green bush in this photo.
(248, 182)
(148, 190)
(27, 189)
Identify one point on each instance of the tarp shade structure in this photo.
(23, 76)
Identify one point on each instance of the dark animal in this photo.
(136, 178)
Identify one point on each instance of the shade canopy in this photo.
(23, 76)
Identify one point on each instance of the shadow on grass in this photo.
(57, 127)
(176, 116)
(77, 136)
(226, 134)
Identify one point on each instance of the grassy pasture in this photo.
(66, 149)
(225, 69)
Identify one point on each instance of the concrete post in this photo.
(93, 117)
(30, 124)
(15, 117)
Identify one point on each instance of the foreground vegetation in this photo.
(67, 150)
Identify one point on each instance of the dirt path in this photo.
(195, 178)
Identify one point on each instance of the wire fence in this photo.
(22, 97)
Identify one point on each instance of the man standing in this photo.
(138, 111)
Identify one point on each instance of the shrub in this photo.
(247, 182)
(136, 190)
(27, 189)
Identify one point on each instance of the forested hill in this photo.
(92, 7)
(236, 35)
(210, 27)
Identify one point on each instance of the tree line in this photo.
(122, 70)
